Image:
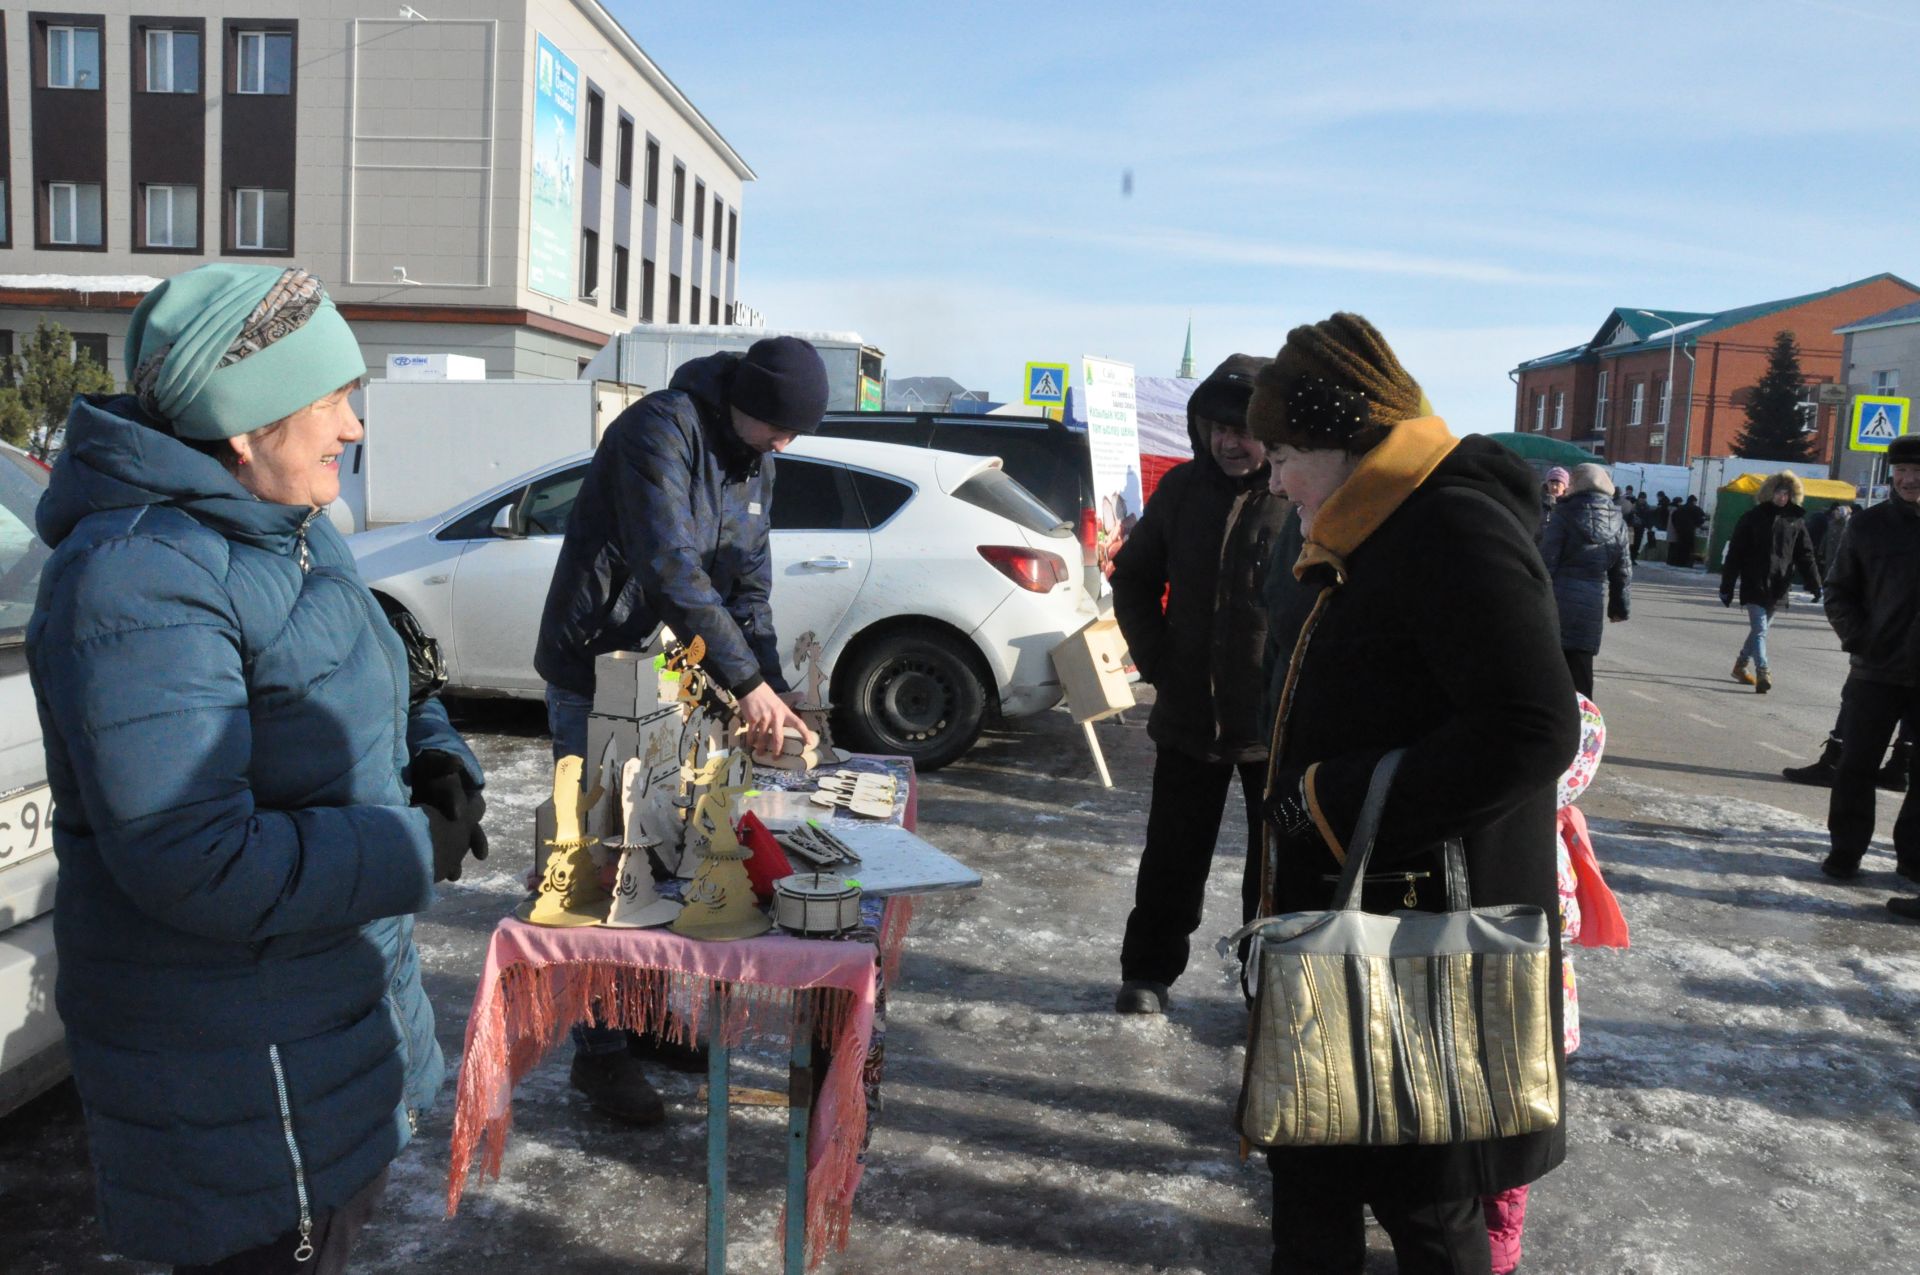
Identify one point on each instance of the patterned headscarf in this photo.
(225, 349)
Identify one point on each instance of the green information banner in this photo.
(872, 395)
(553, 226)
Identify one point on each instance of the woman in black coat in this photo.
(1768, 544)
(1425, 621)
(1585, 549)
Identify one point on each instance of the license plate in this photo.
(26, 824)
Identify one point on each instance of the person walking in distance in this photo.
(1585, 549)
(1203, 544)
(1639, 525)
(1769, 543)
(1684, 525)
(1872, 601)
(1552, 488)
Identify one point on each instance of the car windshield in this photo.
(993, 491)
(21, 553)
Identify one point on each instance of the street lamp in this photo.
(1673, 340)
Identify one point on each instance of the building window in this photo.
(673, 298)
(73, 213)
(699, 210)
(173, 62)
(260, 220)
(172, 216)
(619, 278)
(733, 234)
(73, 57)
(1559, 410)
(693, 310)
(717, 207)
(263, 62)
(679, 194)
(646, 291)
(590, 265)
(1887, 384)
(1666, 399)
(93, 345)
(623, 162)
(1539, 412)
(1636, 408)
(596, 110)
(713, 310)
(1600, 405)
(653, 172)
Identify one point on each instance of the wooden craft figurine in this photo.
(635, 902)
(720, 902)
(813, 707)
(570, 890)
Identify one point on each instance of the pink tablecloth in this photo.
(538, 982)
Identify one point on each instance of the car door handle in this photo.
(829, 563)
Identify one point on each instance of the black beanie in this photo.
(1904, 450)
(781, 381)
(1224, 395)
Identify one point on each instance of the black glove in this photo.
(450, 839)
(1286, 808)
(441, 781)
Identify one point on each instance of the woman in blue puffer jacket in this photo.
(1586, 551)
(251, 806)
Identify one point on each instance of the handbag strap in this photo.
(1346, 895)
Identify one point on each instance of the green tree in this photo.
(1776, 425)
(16, 422)
(47, 374)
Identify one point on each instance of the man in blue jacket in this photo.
(670, 526)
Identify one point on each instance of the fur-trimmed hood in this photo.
(1796, 489)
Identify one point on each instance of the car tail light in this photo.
(1034, 570)
(1089, 535)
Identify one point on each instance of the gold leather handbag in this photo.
(1413, 1027)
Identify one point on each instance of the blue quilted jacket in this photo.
(227, 732)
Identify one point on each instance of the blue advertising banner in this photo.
(553, 223)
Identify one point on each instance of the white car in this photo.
(33, 1054)
(935, 585)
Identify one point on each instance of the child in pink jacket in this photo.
(1589, 916)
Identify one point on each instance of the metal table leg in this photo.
(719, 1084)
(799, 1116)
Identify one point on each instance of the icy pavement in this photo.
(1744, 1100)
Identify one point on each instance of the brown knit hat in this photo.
(1334, 384)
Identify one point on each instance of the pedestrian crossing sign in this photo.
(1046, 384)
(1878, 419)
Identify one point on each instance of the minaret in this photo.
(1186, 360)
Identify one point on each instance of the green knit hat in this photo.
(224, 349)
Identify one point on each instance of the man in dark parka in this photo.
(1203, 545)
(1425, 621)
(670, 526)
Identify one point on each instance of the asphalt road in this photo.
(1744, 1100)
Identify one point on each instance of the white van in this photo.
(33, 1053)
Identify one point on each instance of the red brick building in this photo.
(1614, 395)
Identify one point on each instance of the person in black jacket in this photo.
(670, 526)
(1552, 488)
(1203, 544)
(1684, 525)
(1425, 621)
(1585, 549)
(1769, 543)
(1873, 602)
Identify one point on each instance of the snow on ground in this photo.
(1744, 1100)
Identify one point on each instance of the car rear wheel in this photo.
(913, 693)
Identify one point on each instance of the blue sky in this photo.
(1482, 180)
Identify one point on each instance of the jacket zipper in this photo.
(304, 1252)
(406, 1060)
(303, 555)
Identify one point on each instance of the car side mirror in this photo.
(505, 525)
